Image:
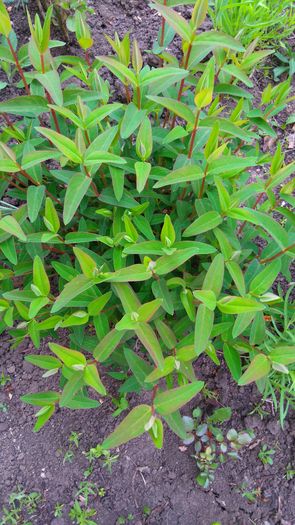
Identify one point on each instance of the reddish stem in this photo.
(18, 66)
(203, 182)
(185, 66)
(269, 259)
(242, 226)
(163, 28)
(138, 97)
(193, 135)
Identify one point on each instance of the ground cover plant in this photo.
(136, 222)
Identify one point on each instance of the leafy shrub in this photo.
(136, 222)
(268, 21)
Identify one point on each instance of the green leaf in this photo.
(144, 140)
(63, 144)
(203, 328)
(95, 307)
(283, 354)
(264, 279)
(98, 114)
(118, 178)
(180, 176)
(237, 276)
(119, 70)
(142, 170)
(131, 120)
(75, 287)
(26, 106)
(214, 277)
(207, 297)
(46, 362)
(91, 378)
(233, 361)
(51, 218)
(175, 20)
(271, 226)
(41, 399)
(10, 225)
(98, 157)
(71, 388)
(171, 400)
(238, 305)
(169, 365)
(76, 190)
(131, 427)
(149, 340)
(40, 278)
(35, 196)
(168, 263)
(107, 345)
(179, 108)
(43, 417)
(204, 223)
(51, 83)
(139, 367)
(34, 158)
(157, 433)
(258, 368)
(218, 39)
(71, 358)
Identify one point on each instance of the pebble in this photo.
(11, 369)
(58, 521)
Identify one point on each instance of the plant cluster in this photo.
(22, 507)
(212, 448)
(267, 21)
(133, 225)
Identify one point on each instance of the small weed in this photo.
(99, 453)
(101, 492)
(146, 511)
(265, 455)
(86, 489)
(4, 379)
(20, 505)
(74, 439)
(68, 457)
(58, 510)
(260, 411)
(212, 448)
(290, 472)
(3, 407)
(252, 495)
(121, 520)
(81, 516)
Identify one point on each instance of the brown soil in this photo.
(162, 480)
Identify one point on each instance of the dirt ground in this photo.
(163, 481)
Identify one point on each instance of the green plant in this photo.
(211, 447)
(68, 457)
(251, 495)
(66, 13)
(58, 510)
(290, 472)
(107, 458)
(21, 504)
(81, 516)
(265, 455)
(74, 438)
(286, 57)
(267, 21)
(135, 226)
(86, 489)
(4, 379)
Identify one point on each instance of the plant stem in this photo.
(193, 135)
(92, 184)
(128, 96)
(28, 177)
(163, 28)
(87, 58)
(138, 97)
(203, 182)
(185, 66)
(242, 226)
(269, 259)
(18, 66)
